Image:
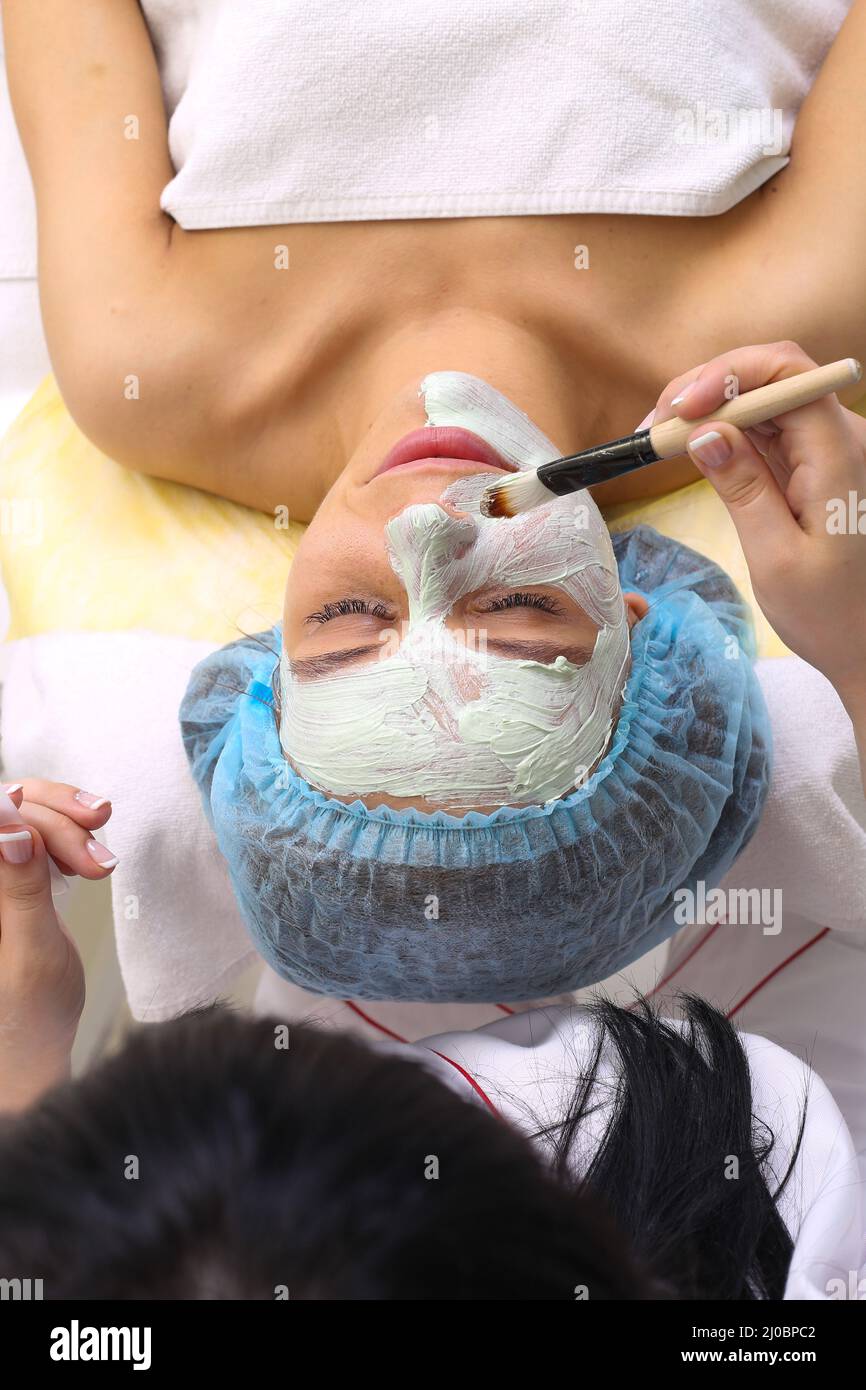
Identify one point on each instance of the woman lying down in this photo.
(410, 812)
(408, 817)
(638, 1159)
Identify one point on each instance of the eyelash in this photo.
(524, 600)
(350, 605)
(344, 606)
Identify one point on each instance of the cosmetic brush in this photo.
(520, 492)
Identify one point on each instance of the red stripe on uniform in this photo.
(781, 966)
(471, 1079)
(380, 1027)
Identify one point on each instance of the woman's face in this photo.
(435, 658)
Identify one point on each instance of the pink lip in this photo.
(433, 444)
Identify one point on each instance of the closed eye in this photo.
(345, 606)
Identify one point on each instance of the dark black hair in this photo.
(207, 1160)
(257, 1169)
(682, 1162)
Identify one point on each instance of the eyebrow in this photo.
(308, 668)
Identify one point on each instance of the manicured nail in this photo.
(685, 391)
(102, 854)
(711, 448)
(647, 420)
(92, 802)
(16, 846)
(10, 787)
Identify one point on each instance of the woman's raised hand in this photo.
(41, 975)
(796, 491)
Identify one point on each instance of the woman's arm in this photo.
(87, 98)
(797, 258)
(826, 178)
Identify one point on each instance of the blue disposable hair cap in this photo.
(525, 902)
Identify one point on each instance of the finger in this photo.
(729, 375)
(761, 435)
(765, 441)
(745, 483)
(28, 921)
(71, 846)
(815, 435)
(85, 808)
(676, 387)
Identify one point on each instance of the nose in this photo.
(429, 532)
(426, 545)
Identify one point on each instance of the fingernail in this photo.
(16, 846)
(102, 854)
(10, 787)
(711, 448)
(685, 391)
(92, 802)
(647, 420)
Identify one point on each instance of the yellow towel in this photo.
(89, 545)
(695, 516)
(86, 544)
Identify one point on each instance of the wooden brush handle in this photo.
(754, 407)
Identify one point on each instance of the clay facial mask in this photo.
(437, 718)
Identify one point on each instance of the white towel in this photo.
(100, 710)
(301, 111)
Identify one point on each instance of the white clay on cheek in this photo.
(447, 724)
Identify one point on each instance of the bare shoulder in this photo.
(189, 374)
(778, 274)
(132, 361)
(792, 256)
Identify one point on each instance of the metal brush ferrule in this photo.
(598, 465)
